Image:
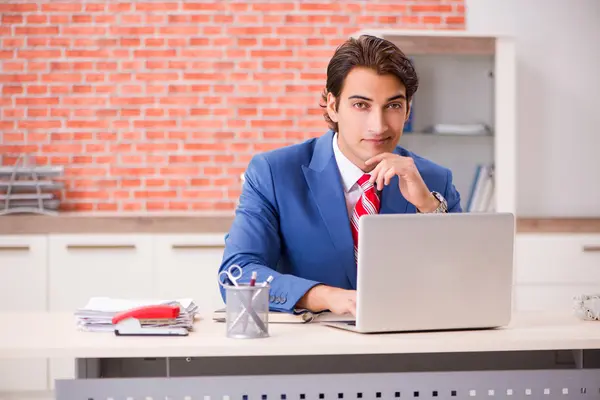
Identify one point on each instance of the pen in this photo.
(269, 280)
(243, 315)
(253, 278)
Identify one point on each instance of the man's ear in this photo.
(331, 107)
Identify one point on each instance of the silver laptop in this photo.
(423, 272)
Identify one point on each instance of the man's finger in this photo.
(377, 158)
(389, 175)
(381, 177)
(374, 173)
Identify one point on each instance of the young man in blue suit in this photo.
(299, 206)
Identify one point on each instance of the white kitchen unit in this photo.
(62, 271)
(88, 265)
(552, 268)
(23, 276)
(186, 265)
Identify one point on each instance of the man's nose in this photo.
(376, 122)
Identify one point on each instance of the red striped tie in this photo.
(367, 204)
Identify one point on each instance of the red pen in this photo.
(253, 278)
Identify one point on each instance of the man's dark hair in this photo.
(381, 55)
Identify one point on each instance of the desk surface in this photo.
(27, 335)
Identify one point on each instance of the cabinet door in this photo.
(187, 266)
(89, 265)
(23, 288)
(557, 259)
(549, 297)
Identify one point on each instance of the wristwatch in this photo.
(442, 208)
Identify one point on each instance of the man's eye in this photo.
(395, 106)
(360, 105)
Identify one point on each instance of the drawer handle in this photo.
(196, 246)
(100, 246)
(18, 247)
(591, 248)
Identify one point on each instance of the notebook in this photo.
(298, 317)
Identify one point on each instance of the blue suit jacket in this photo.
(292, 220)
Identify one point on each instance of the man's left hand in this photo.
(410, 182)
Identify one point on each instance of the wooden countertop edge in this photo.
(558, 225)
(199, 224)
(185, 224)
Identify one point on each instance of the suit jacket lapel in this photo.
(323, 179)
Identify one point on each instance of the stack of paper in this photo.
(97, 314)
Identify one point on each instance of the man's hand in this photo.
(410, 182)
(321, 297)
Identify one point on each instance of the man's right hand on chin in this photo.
(322, 297)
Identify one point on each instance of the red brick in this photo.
(455, 20)
(431, 8)
(83, 30)
(12, 19)
(16, 8)
(30, 30)
(432, 19)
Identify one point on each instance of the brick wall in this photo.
(159, 106)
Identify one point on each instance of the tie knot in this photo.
(363, 181)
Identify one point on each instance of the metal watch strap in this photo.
(442, 208)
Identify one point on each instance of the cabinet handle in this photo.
(591, 248)
(196, 246)
(17, 247)
(100, 246)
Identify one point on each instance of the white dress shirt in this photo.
(350, 174)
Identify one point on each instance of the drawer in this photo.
(84, 266)
(187, 266)
(549, 297)
(23, 274)
(557, 258)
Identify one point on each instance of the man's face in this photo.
(371, 114)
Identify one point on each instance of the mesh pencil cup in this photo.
(247, 309)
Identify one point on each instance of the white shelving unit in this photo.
(27, 188)
(464, 79)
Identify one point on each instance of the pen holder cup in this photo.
(247, 311)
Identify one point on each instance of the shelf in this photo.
(41, 171)
(28, 186)
(436, 42)
(30, 206)
(23, 192)
(447, 135)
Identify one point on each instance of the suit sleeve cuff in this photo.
(285, 294)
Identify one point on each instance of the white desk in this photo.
(308, 345)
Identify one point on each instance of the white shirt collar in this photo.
(349, 172)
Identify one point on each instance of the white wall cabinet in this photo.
(550, 269)
(23, 276)
(84, 266)
(186, 266)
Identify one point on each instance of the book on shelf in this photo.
(481, 195)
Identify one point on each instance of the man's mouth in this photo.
(378, 140)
